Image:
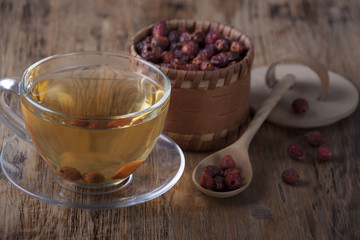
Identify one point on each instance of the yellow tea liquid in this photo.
(88, 142)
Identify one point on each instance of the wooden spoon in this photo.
(239, 149)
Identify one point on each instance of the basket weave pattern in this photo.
(208, 109)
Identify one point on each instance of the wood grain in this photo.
(325, 205)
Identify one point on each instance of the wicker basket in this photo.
(208, 109)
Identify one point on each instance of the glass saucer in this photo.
(23, 167)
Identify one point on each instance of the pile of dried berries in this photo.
(226, 177)
(74, 175)
(193, 51)
(297, 152)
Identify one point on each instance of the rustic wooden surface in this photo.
(325, 205)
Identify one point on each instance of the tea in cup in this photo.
(94, 117)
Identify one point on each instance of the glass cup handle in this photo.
(7, 116)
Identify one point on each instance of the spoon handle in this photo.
(265, 109)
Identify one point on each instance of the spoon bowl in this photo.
(242, 160)
(239, 149)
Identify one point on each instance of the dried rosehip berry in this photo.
(220, 60)
(238, 46)
(199, 37)
(167, 56)
(314, 138)
(69, 173)
(191, 67)
(223, 44)
(175, 46)
(233, 56)
(212, 36)
(198, 61)
(166, 65)
(180, 55)
(127, 169)
(212, 170)
(174, 36)
(207, 181)
(296, 151)
(233, 181)
(182, 30)
(227, 162)
(219, 183)
(290, 176)
(324, 154)
(232, 170)
(139, 46)
(300, 106)
(93, 177)
(204, 54)
(185, 37)
(211, 48)
(177, 61)
(151, 53)
(190, 49)
(207, 66)
(160, 42)
(160, 29)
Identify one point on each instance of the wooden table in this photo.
(325, 205)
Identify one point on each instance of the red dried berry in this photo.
(174, 36)
(180, 55)
(207, 181)
(223, 44)
(232, 170)
(166, 65)
(300, 106)
(197, 61)
(185, 37)
(324, 154)
(211, 48)
(177, 63)
(191, 67)
(199, 37)
(151, 53)
(160, 29)
(204, 54)
(238, 46)
(290, 176)
(139, 46)
(212, 36)
(233, 56)
(182, 30)
(175, 46)
(233, 181)
(190, 49)
(167, 56)
(227, 162)
(219, 183)
(206, 66)
(220, 60)
(212, 170)
(160, 42)
(314, 138)
(296, 151)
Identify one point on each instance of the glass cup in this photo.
(94, 117)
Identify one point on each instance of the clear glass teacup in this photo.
(94, 117)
